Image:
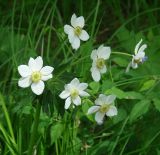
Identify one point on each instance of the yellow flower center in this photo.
(36, 76)
(100, 63)
(77, 31)
(104, 108)
(74, 93)
(137, 61)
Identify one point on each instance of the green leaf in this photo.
(27, 110)
(85, 106)
(122, 114)
(147, 85)
(133, 95)
(150, 35)
(120, 61)
(94, 86)
(116, 91)
(158, 152)
(139, 109)
(107, 84)
(56, 132)
(156, 103)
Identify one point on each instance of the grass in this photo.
(35, 28)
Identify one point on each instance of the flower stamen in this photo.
(74, 93)
(137, 61)
(36, 76)
(104, 108)
(77, 31)
(100, 63)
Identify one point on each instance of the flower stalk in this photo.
(122, 53)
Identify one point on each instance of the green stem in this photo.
(34, 132)
(119, 134)
(121, 53)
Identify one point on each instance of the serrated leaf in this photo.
(147, 85)
(56, 132)
(139, 109)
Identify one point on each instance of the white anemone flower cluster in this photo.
(75, 32)
(72, 93)
(34, 74)
(98, 65)
(103, 106)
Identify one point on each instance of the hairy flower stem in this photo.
(121, 53)
(34, 131)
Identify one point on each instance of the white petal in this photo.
(94, 55)
(68, 29)
(99, 101)
(112, 111)
(139, 55)
(77, 100)
(104, 52)
(82, 86)
(110, 99)
(99, 117)
(142, 48)
(38, 87)
(75, 43)
(95, 74)
(46, 77)
(47, 70)
(32, 64)
(67, 103)
(24, 70)
(68, 87)
(83, 93)
(103, 70)
(73, 20)
(102, 99)
(93, 109)
(75, 82)
(137, 47)
(71, 37)
(39, 62)
(24, 82)
(84, 35)
(80, 22)
(64, 94)
(35, 64)
(77, 21)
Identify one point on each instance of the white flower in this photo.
(98, 66)
(75, 31)
(103, 107)
(34, 74)
(139, 56)
(73, 91)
